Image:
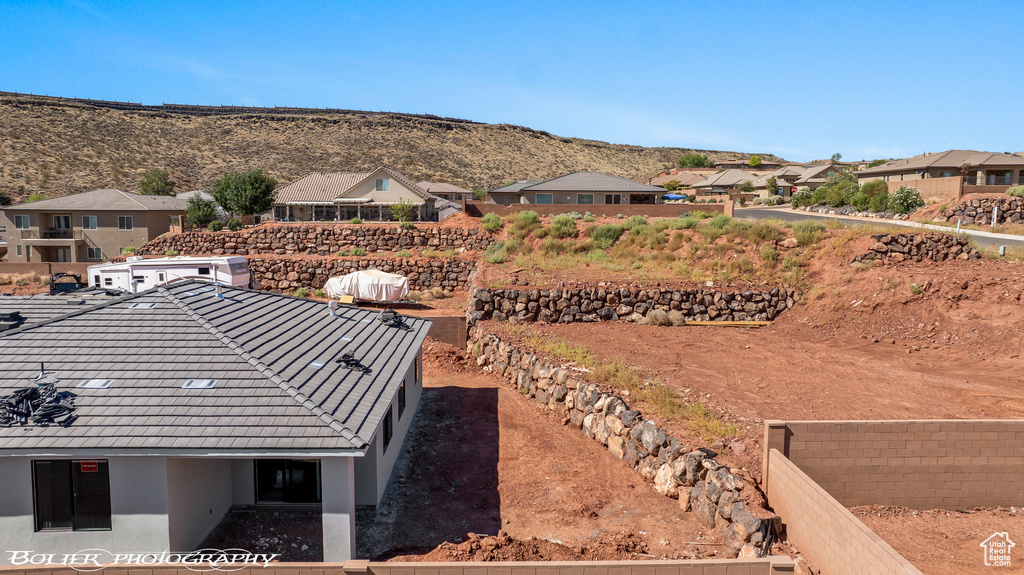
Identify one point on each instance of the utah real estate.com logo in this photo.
(997, 549)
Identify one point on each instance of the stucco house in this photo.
(446, 191)
(191, 398)
(584, 188)
(983, 168)
(722, 182)
(87, 227)
(341, 196)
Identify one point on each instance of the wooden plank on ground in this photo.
(731, 323)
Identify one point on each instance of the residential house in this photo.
(584, 188)
(685, 180)
(189, 399)
(334, 196)
(983, 168)
(87, 227)
(449, 192)
(722, 182)
(745, 165)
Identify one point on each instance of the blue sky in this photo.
(802, 80)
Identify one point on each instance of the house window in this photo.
(96, 281)
(19, 249)
(29, 251)
(108, 282)
(161, 277)
(62, 222)
(401, 400)
(21, 222)
(204, 271)
(389, 428)
(613, 198)
(71, 495)
(288, 481)
(94, 253)
(88, 222)
(382, 185)
(125, 223)
(945, 174)
(543, 198)
(585, 198)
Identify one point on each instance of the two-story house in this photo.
(88, 227)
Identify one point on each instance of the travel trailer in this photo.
(136, 273)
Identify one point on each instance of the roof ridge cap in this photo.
(129, 196)
(265, 369)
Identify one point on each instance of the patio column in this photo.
(339, 508)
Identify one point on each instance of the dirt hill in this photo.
(57, 146)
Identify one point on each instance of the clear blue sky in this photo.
(802, 80)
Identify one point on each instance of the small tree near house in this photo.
(246, 193)
(671, 185)
(157, 182)
(199, 211)
(746, 187)
(403, 211)
(755, 161)
(772, 186)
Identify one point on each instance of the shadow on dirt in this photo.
(445, 482)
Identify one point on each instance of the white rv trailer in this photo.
(137, 273)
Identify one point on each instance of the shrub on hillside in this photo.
(861, 201)
(216, 226)
(496, 253)
(606, 235)
(874, 187)
(355, 221)
(834, 197)
(818, 196)
(801, 199)
(719, 221)
(564, 226)
(234, 224)
(527, 218)
(358, 252)
(589, 217)
(905, 200)
(1017, 191)
(491, 222)
(634, 223)
(808, 232)
(879, 203)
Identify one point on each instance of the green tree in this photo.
(35, 197)
(772, 185)
(755, 161)
(5, 199)
(693, 160)
(402, 210)
(199, 211)
(875, 163)
(874, 187)
(746, 187)
(158, 183)
(249, 192)
(836, 157)
(671, 185)
(479, 193)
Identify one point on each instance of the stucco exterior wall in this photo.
(138, 506)
(146, 225)
(243, 482)
(199, 493)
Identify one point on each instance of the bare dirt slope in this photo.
(57, 147)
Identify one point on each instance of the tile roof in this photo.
(684, 179)
(726, 179)
(443, 188)
(105, 201)
(949, 159)
(514, 187)
(325, 187)
(256, 344)
(592, 182)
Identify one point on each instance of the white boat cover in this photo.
(372, 285)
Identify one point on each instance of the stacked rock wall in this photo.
(290, 273)
(321, 240)
(936, 247)
(630, 304)
(690, 474)
(1009, 210)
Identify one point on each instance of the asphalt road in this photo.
(788, 215)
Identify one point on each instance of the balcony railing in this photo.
(51, 234)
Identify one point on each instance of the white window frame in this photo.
(18, 249)
(382, 185)
(62, 218)
(22, 222)
(579, 199)
(94, 253)
(550, 198)
(125, 223)
(87, 220)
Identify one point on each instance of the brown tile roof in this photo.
(591, 182)
(726, 179)
(443, 188)
(105, 201)
(684, 179)
(951, 159)
(325, 187)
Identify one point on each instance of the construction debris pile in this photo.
(40, 404)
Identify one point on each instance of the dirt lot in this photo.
(939, 542)
(483, 459)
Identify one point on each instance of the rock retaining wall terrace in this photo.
(321, 240)
(1010, 210)
(936, 247)
(287, 273)
(687, 473)
(630, 304)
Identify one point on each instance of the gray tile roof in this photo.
(514, 187)
(37, 308)
(443, 188)
(105, 201)
(592, 182)
(256, 344)
(951, 159)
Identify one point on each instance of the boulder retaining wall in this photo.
(936, 247)
(289, 273)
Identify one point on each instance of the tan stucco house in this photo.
(584, 188)
(341, 196)
(88, 227)
(983, 168)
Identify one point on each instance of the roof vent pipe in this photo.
(220, 291)
(332, 306)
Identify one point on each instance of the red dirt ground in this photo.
(939, 542)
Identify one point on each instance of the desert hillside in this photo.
(57, 146)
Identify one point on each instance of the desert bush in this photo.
(128, 250)
(658, 317)
(764, 232)
(769, 255)
(620, 216)
(634, 223)
(874, 187)
(1017, 191)
(216, 226)
(496, 253)
(801, 199)
(575, 215)
(677, 318)
(879, 203)
(861, 201)
(905, 200)
(171, 253)
(527, 218)
(234, 224)
(407, 225)
(403, 254)
(835, 197)
(355, 221)
(589, 217)
(414, 295)
(808, 232)
(439, 293)
(553, 247)
(358, 252)
(491, 222)
(564, 226)
(429, 253)
(688, 223)
(719, 221)
(582, 247)
(301, 292)
(818, 195)
(606, 235)
(698, 215)
(677, 242)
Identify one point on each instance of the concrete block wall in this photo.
(923, 464)
(823, 529)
